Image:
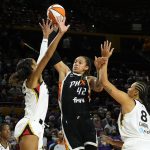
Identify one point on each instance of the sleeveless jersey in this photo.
(36, 101)
(74, 96)
(135, 126)
(2, 147)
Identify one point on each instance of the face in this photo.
(60, 135)
(79, 65)
(5, 133)
(132, 92)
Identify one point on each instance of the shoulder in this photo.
(91, 79)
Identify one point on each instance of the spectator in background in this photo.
(106, 119)
(59, 143)
(5, 134)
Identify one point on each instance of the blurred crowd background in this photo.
(125, 23)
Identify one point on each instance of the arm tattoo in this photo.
(98, 75)
(109, 90)
(97, 82)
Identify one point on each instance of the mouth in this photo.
(75, 67)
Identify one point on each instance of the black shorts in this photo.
(79, 132)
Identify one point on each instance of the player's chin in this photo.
(75, 70)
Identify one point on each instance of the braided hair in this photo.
(23, 70)
(143, 92)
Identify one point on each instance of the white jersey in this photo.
(36, 102)
(134, 128)
(36, 106)
(3, 148)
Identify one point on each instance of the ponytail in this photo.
(23, 70)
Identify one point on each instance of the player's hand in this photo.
(61, 24)
(106, 50)
(99, 62)
(46, 27)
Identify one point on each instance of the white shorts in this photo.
(136, 145)
(35, 127)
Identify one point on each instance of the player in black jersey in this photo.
(74, 99)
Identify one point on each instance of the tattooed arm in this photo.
(95, 83)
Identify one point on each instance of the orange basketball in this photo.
(54, 11)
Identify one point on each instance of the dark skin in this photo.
(5, 135)
(30, 142)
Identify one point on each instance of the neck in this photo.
(60, 141)
(137, 98)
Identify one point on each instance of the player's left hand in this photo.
(46, 27)
(61, 24)
(106, 50)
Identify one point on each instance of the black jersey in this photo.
(74, 96)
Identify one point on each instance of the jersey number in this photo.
(81, 91)
(143, 116)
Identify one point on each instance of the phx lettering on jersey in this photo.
(81, 90)
(77, 83)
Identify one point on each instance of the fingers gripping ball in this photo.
(54, 11)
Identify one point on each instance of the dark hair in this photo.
(143, 92)
(2, 126)
(88, 63)
(23, 70)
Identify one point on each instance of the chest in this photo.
(75, 85)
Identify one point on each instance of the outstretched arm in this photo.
(52, 47)
(45, 26)
(121, 97)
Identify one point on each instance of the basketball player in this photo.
(29, 130)
(134, 119)
(4, 136)
(74, 100)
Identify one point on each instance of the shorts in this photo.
(136, 144)
(29, 127)
(79, 132)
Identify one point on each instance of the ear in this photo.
(136, 93)
(86, 68)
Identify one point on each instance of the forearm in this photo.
(97, 86)
(43, 48)
(53, 45)
(98, 80)
(44, 45)
(104, 79)
(51, 49)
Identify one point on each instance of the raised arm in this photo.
(45, 26)
(120, 96)
(51, 49)
(95, 82)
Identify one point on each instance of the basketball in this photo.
(55, 11)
